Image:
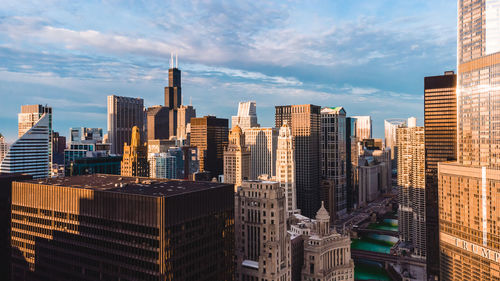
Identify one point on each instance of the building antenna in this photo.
(176, 62)
(190, 101)
(171, 59)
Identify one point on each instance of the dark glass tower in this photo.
(173, 98)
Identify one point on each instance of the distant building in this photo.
(163, 165)
(210, 134)
(58, 147)
(184, 115)
(95, 165)
(285, 166)
(363, 127)
(262, 143)
(79, 134)
(326, 253)
(135, 157)
(440, 123)
(123, 114)
(173, 98)
(390, 126)
(29, 154)
(411, 184)
(262, 242)
(236, 158)
(304, 121)
(4, 147)
(158, 122)
(334, 155)
(83, 149)
(247, 116)
(122, 228)
(374, 175)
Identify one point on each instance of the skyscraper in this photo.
(4, 147)
(411, 184)
(135, 157)
(173, 97)
(440, 114)
(285, 166)
(29, 154)
(79, 134)
(209, 134)
(122, 228)
(262, 144)
(236, 158)
(262, 241)
(333, 154)
(390, 126)
(184, 115)
(469, 207)
(304, 121)
(123, 114)
(157, 120)
(247, 116)
(363, 127)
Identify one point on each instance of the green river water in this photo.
(369, 270)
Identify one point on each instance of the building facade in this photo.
(363, 127)
(95, 165)
(79, 134)
(29, 154)
(334, 154)
(390, 126)
(173, 98)
(285, 166)
(236, 158)
(247, 116)
(123, 114)
(158, 122)
(162, 165)
(135, 157)
(4, 147)
(468, 188)
(304, 121)
(262, 241)
(411, 185)
(122, 228)
(210, 135)
(262, 144)
(184, 115)
(373, 175)
(440, 125)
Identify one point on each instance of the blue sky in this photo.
(368, 56)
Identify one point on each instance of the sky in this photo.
(369, 56)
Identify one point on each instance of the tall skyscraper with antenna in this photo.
(173, 94)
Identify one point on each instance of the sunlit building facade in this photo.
(236, 158)
(262, 144)
(247, 116)
(469, 207)
(285, 166)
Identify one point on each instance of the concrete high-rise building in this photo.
(158, 122)
(122, 228)
(184, 115)
(262, 241)
(135, 157)
(363, 127)
(4, 147)
(30, 153)
(411, 184)
(247, 116)
(390, 126)
(373, 175)
(304, 121)
(123, 114)
(327, 253)
(173, 97)
(285, 166)
(236, 158)
(262, 143)
(333, 154)
(440, 125)
(79, 134)
(210, 135)
(469, 203)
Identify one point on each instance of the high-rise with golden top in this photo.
(135, 157)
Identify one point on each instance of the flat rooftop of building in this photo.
(133, 185)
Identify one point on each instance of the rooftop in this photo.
(133, 185)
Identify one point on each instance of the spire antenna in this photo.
(171, 59)
(176, 62)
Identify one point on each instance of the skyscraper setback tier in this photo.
(469, 207)
(247, 116)
(440, 114)
(173, 98)
(262, 144)
(304, 121)
(123, 114)
(122, 228)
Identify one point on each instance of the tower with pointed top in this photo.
(285, 166)
(173, 95)
(135, 157)
(236, 158)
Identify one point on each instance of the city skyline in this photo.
(357, 59)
